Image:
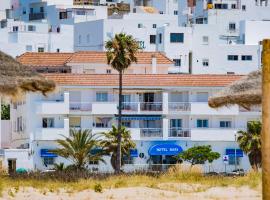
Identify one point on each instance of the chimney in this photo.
(154, 64)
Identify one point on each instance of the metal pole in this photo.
(265, 136)
(235, 160)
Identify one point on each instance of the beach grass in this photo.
(174, 175)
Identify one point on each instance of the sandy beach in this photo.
(176, 192)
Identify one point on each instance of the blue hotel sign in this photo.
(165, 149)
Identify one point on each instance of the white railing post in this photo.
(165, 125)
(165, 103)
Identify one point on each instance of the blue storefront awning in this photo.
(165, 149)
(141, 117)
(45, 153)
(233, 152)
(133, 153)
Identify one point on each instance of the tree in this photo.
(199, 155)
(5, 112)
(110, 144)
(79, 148)
(250, 142)
(121, 53)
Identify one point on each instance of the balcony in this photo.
(80, 107)
(37, 16)
(51, 107)
(107, 108)
(179, 132)
(151, 133)
(130, 107)
(179, 107)
(213, 134)
(202, 108)
(151, 106)
(134, 132)
(53, 133)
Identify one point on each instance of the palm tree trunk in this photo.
(266, 120)
(119, 137)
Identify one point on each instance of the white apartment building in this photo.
(92, 35)
(160, 111)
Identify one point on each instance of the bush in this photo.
(98, 188)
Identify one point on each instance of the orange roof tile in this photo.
(133, 80)
(44, 59)
(100, 57)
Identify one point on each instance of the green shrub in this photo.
(98, 188)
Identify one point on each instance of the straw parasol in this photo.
(246, 92)
(16, 79)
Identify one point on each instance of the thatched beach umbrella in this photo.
(16, 80)
(246, 92)
(253, 90)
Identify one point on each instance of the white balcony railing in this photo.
(179, 132)
(130, 106)
(54, 133)
(80, 106)
(179, 106)
(151, 106)
(213, 134)
(58, 106)
(151, 133)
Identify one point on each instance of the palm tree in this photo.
(79, 147)
(110, 144)
(121, 53)
(250, 142)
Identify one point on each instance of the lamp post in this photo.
(235, 160)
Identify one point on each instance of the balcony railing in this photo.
(151, 132)
(178, 106)
(179, 132)
(151, 106)
(37, 16)
(130, 106)
(80, 106)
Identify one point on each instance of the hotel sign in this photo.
(165, 149)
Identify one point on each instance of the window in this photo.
(202, 96)
(19, 124)
(40, 49)
(176, 123)
(126, 124)
(140, 25)
(152, 39)
(75, 122)
(126, 98)
(41, 9)
(232, 160)
(233, 57)
(80, 39)
(48, 161)
(80, 12)
(48, 122)
(28, 48)
(205, 62)
(101, 96)
(244, 7)
(246, 58)
(108, 71)
(177, 62)
(177, 37)
(175, 12)
(24, 11)
(233, 6)
(57, 50)
(62, 15)
(141, 44)
(225, 124)
(232, 26)
(205, 40)
(31, 10)
(154, 26)
(202, 123)
(161, 12)
(88, 38)
(15, 28)
(221, 6)
(31, 28)
(160, 38)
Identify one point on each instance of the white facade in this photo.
(175, 115)
(93, 35)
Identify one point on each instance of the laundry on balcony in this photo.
(141, 117)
